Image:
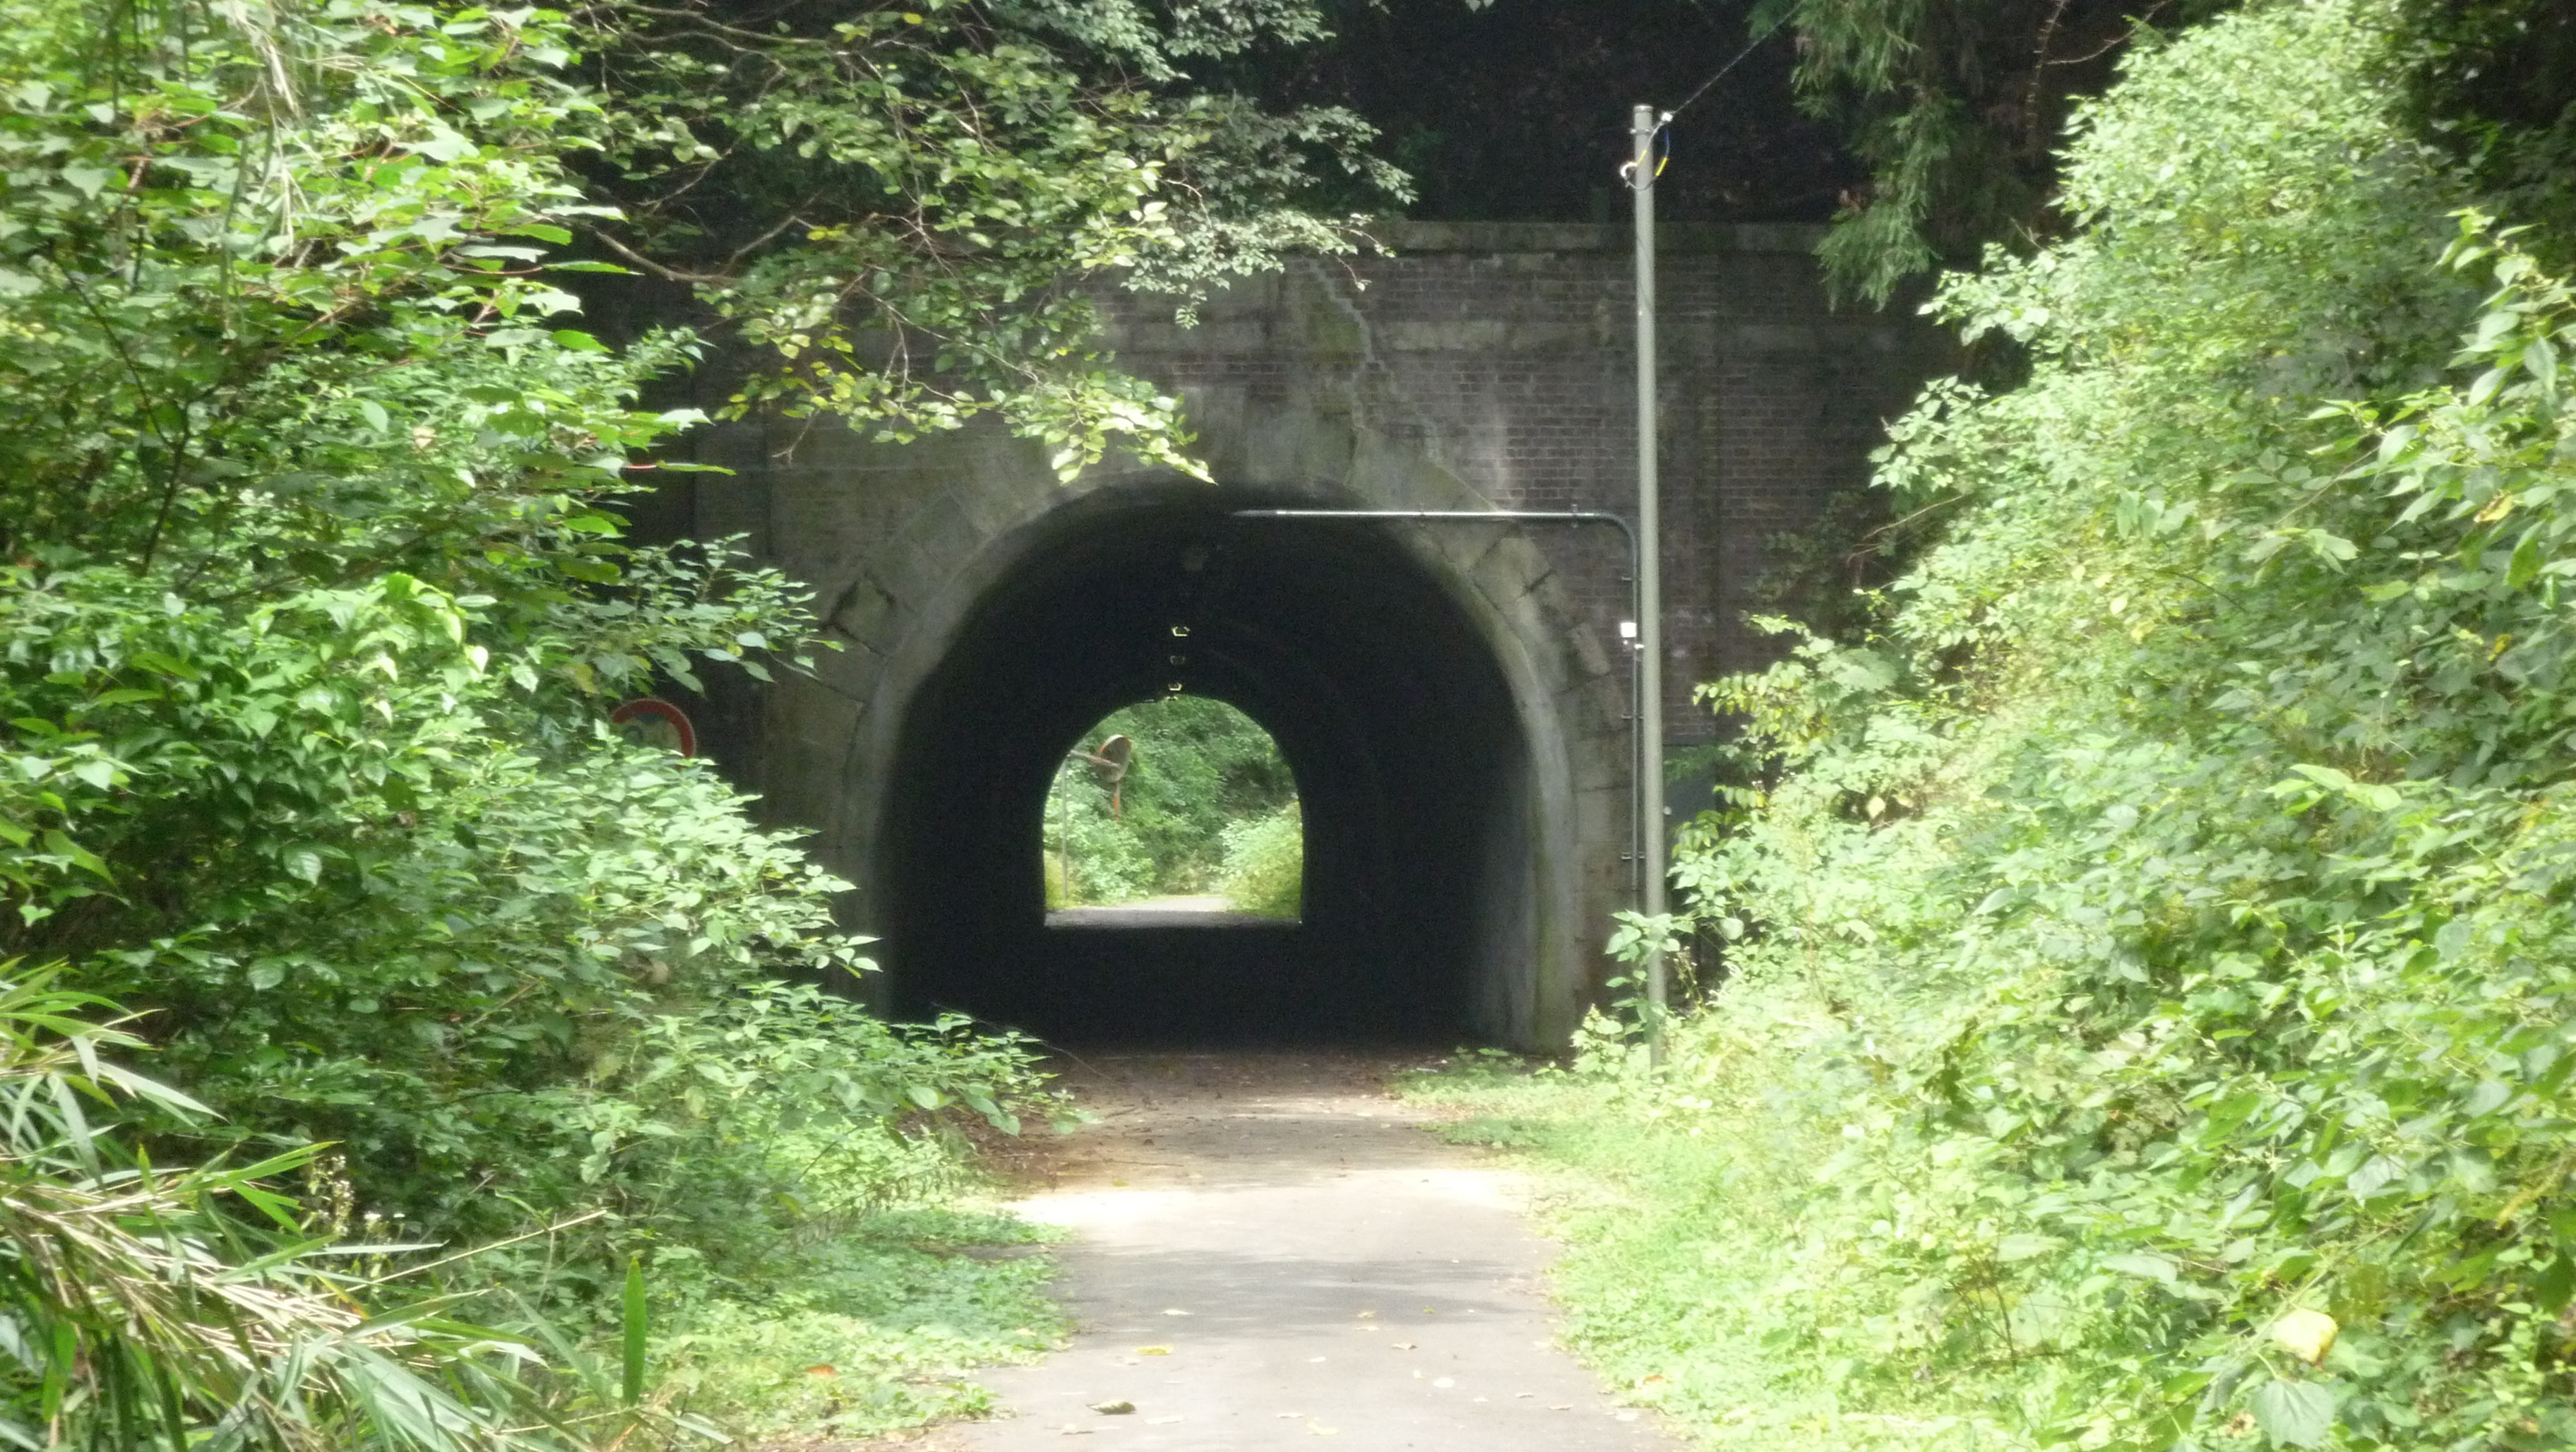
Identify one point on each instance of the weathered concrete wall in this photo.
(1482, 366)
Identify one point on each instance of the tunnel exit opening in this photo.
(1179, 811)
(1411, 762)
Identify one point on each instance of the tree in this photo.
(313, 590)
(909, 207)
(1960, 109)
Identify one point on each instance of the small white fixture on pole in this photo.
(1644, 123)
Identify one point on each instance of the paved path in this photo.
(1266, 1251)
(1162, 912)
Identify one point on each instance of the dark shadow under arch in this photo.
(1412, 769)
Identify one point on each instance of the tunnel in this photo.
(1388, 702)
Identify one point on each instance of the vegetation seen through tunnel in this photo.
(1198, 802)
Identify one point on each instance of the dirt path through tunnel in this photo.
(1266, 1250)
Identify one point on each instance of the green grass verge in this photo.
(1680, 1246)
(882, 1329)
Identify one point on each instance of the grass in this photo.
(1683, 1257)
(881, 1330)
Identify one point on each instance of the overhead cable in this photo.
(1749, 47)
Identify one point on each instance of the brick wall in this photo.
(1505, 354)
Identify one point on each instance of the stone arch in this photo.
(1484, 366)
(1431, 764)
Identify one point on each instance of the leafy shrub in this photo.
(1265, 864)
(2150, 938)
(312, 599)
(140, 1314)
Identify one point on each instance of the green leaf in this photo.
(2293, 1413)
(2526, 562)
(2141, 1263)
(2556, 1283)
(635, 1331)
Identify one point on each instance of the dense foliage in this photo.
(910, 207)
(129, 1321)
(312, 599)
(1956, 107)
(2151, 937)
(1264, 873)
(1200, 770)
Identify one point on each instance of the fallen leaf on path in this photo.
(1318, 1429)
(1368, 1315)
(1402, 1345)
(1174, 1311)
(822, 1370)
(1153, 1351)
(1113, 1409)
(1444, 1381)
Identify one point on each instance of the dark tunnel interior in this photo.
(1387, 704)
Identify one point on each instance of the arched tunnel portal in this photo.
(1453, 697)
(1387, 697)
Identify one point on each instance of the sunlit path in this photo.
(1266, 1250)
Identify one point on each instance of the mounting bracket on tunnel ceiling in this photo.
(1206, 571)
(1638, 605)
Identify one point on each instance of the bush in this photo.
(313, 602)
(142, 1314)
(1265, 864)
(2152, 937)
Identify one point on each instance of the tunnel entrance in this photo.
(1412, 772)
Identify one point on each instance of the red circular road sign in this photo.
(652, 721)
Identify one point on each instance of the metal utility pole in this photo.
(1643, 123)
